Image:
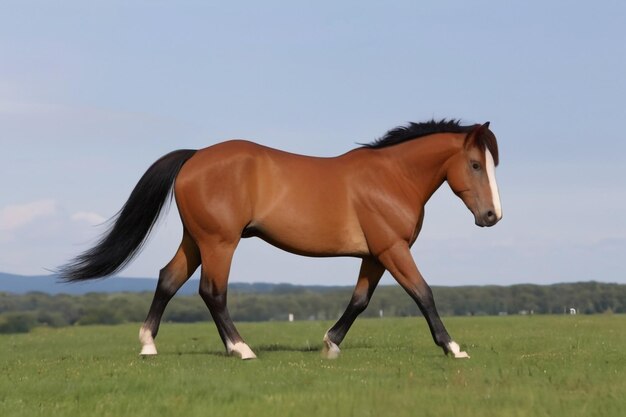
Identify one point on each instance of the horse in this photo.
(367, 203)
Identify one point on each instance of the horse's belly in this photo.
(305, 236)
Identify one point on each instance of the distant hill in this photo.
(49, 284)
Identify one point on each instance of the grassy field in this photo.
(519, 366)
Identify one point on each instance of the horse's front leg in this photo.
(369, 275)
(398, 261)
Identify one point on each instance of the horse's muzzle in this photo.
(487, 219)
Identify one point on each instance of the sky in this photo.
(91, 93)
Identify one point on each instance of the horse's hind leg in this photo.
(369, 275)
(216, 259)
(171, 278)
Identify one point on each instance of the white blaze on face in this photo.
(491, 175)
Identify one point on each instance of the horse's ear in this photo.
(475, 134)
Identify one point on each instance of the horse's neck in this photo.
(423, 162)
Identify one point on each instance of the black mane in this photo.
(417, 130)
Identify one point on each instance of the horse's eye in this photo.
(475, 166)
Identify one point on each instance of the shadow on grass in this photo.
(277, 347)
(274, 347)
(259, 348)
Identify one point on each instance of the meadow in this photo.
(519, 366)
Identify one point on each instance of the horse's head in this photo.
(471, 175)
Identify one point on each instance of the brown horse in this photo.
(367, 203)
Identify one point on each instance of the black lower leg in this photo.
(171, 278)
(163, 294)
(426, 303)
(215, 300)
(357, 305)
(369, 275)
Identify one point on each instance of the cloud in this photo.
(13, 217)
(89, 217)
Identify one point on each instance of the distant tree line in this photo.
(20, 313)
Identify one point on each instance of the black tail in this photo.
(132, 224)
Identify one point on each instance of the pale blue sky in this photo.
(91, 93)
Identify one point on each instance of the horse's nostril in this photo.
(490, 214)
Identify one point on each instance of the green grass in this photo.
(520, 366)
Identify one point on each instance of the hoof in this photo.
(240, 350)
(147, 342)
(456, 351)
(330, 349)
(148, 350)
